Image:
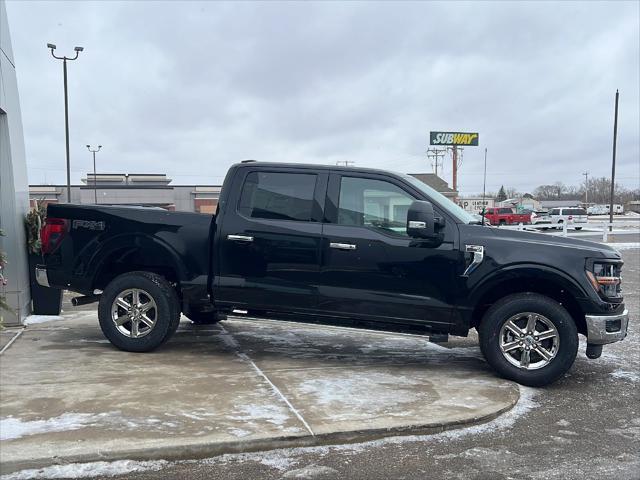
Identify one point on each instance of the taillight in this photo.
(52, 234)
(569, 217)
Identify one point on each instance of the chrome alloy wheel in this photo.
(134, 313)
(529, 340)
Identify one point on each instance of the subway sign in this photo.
(454, 138)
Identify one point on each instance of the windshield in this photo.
(442, 201)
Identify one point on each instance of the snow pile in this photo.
(35, 319)
(625, 246)
(86, 470)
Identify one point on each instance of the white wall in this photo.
(14, 186)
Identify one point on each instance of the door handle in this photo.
(240, 238)
(342, 246)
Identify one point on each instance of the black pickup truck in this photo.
(341, 246)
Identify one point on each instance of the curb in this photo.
(202, 450)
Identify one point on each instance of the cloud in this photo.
(188, 88)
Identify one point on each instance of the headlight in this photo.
(605, 279)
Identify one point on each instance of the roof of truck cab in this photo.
(312, 166)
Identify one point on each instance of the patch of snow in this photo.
(35, 319)
(86, 470)
(12, 428)
(273, 414)
(624, 246)
(311, 471)
(626, 375)
(239, 432)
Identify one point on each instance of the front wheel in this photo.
(529, 338)
(578, 228)
(138, 311)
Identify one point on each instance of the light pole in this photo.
(95, 188)
(586, 189)
(64, 59)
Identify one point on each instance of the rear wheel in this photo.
(529, 338)
(502, 223)
(138, 311)
(578, 228)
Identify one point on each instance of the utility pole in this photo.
(435, 154)
(613, 162)
(586, 189)
(64, 59)
(484, 184)
(454, 175)
(95, 187)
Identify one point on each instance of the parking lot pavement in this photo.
(69, 396)
(585, 426)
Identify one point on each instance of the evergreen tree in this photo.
(502, 195)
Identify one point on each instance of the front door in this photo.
(371, 268)
(269, 250)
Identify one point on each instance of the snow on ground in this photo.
(34, 319)
(86, 470)
(279, 459)
(624, 246)
(12, 428)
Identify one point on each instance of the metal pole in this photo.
(586, 189)
(66, 128)
(613, 163)
(484, 184)
(455, 168)
(95, 187)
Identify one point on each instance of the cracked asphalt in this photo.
(585, 426)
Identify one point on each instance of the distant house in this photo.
(437, 183)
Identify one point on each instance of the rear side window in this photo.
(278, 196)
(506, 210)
(576, 211)
(555, 211)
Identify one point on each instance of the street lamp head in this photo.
(78, 49)
(51, 46)
(99, 147)
(88, 146)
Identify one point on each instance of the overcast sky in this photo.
(188, 88)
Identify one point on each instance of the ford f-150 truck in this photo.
(506, 216)
(339, 246)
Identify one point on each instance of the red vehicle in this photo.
(506, 216)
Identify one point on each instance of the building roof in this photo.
(434, 181)
(560, 203)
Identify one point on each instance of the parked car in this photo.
(576, 217)
(339, 246)
(506, 216)
(540, 218)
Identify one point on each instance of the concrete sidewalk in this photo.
(241, 385)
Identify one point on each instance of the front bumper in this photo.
(41, 277)
(603, 329)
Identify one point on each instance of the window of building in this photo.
(278, 196)
(373, 203)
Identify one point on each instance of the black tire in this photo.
(502, 223)
(578, 228)
(205, 318)
(490, 328)
(166, 312)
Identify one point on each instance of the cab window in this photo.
(374, 204)
(278, 196)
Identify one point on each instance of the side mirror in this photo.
(421, 221)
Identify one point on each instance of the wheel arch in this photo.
(136, 252)
(543, 280)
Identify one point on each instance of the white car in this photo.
(540, 218)
(572, 216)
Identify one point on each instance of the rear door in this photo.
(269, 240)
(371, 268)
